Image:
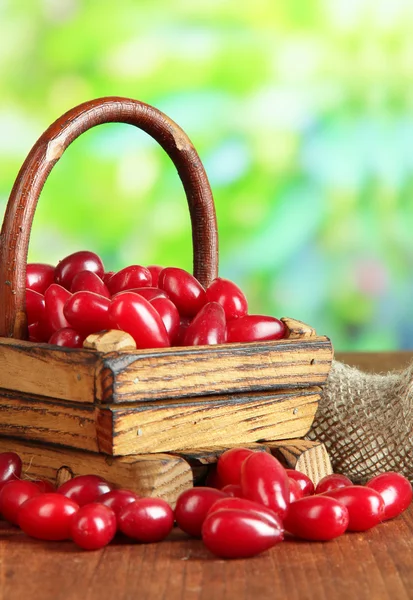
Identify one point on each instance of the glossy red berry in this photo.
(169, 315)
(247, 505)
(93, 526)
(332, 482)
(150, 293)
(395, 490)
(44, 486)
(317, 518)
(39, 276)
(87, 312)
(128, 278)
(192, 507)
(255, 328)
(67, 337)
(183, 326)
(10, 467)
(365, 506)
(295, 490)
(12, 495)
(230, 463)
(106, 276)
(35, 306)
(303, 481)
(86, 281)
(264, 480)
(56, 297)
(208, 327)
(183, 289)
(135, 315)
(40, 331)
(235, 533)
(74, 264)
(146, 520)
(84, 489)
(233, 490)
(154, 270)
(229, 295)
(116, 500)
(47, 516)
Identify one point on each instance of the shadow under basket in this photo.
(149, 420)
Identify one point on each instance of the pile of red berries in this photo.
(259, 501)
(158, 307)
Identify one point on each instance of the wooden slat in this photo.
(204, 370)
(308, 457)
(158, 475)
(40, 369)
(214, 421)
(162, 426)
(53, 421)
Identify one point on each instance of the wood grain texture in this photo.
(161, 426)
(40, 369)
(20, 210)
(158, 475)
(375, 565)
(310, 458)
(297, 329)
(203, 370)
(215, 421)
(56, 422)
(110, 341)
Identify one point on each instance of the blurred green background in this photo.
(301, 111)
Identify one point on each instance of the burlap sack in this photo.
(366, 421)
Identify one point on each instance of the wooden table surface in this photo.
(375, 565)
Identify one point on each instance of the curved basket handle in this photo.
(46, 152)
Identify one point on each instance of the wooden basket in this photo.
(109, 399)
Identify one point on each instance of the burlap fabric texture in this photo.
(366, 422)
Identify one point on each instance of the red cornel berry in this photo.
(12, 495)
(395, 490)
(192, 508)
(230, 463)
(93, 526)
(73, 264)
(84, 489)
(47, 516)
(365, 506)
(236, 533)
(317, 518)
(10, 467)
(147, 520)
(264, 480)
(135, 315)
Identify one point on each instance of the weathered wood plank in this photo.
(308, 457)
(199, 422)
(204, 370)
(161, 426)
(53, 421)
(40, 369)
(158, 475)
